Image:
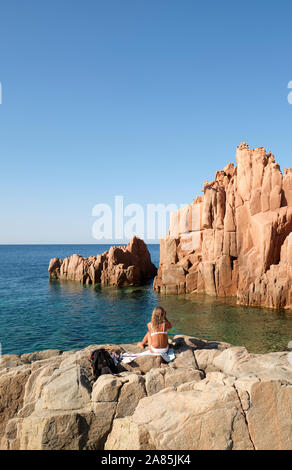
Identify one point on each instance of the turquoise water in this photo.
(37, 314)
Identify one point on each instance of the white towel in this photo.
(129, 357)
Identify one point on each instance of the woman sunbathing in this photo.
(157, 337)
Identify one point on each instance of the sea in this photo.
(37, 313)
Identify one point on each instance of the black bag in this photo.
(102, 363)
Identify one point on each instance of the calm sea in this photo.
(37, 314)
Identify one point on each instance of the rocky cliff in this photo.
(236, 239)
(120, 266)
(213, 396)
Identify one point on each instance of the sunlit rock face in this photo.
(212, 396)
(120, 266)
(235, 240)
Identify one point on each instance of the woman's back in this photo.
(159, 336)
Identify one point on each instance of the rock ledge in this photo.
(213, 396)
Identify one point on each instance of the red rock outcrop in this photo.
(120, 266)
(236, 239)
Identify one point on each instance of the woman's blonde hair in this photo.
(158, 317)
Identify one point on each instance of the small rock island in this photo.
(129, 265)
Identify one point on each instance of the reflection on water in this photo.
(37, 314)
(260, 330)
(121, 314)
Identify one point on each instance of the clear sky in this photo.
(140, 98)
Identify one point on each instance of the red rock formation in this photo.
(120, 266)
(236, 239)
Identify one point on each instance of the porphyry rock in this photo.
(235, 240)
(120, 266)
(213, 396)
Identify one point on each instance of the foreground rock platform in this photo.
(236, 239)
(120, 266)
(213, 396)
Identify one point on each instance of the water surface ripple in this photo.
(37, 314)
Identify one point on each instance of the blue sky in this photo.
(140, 98)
